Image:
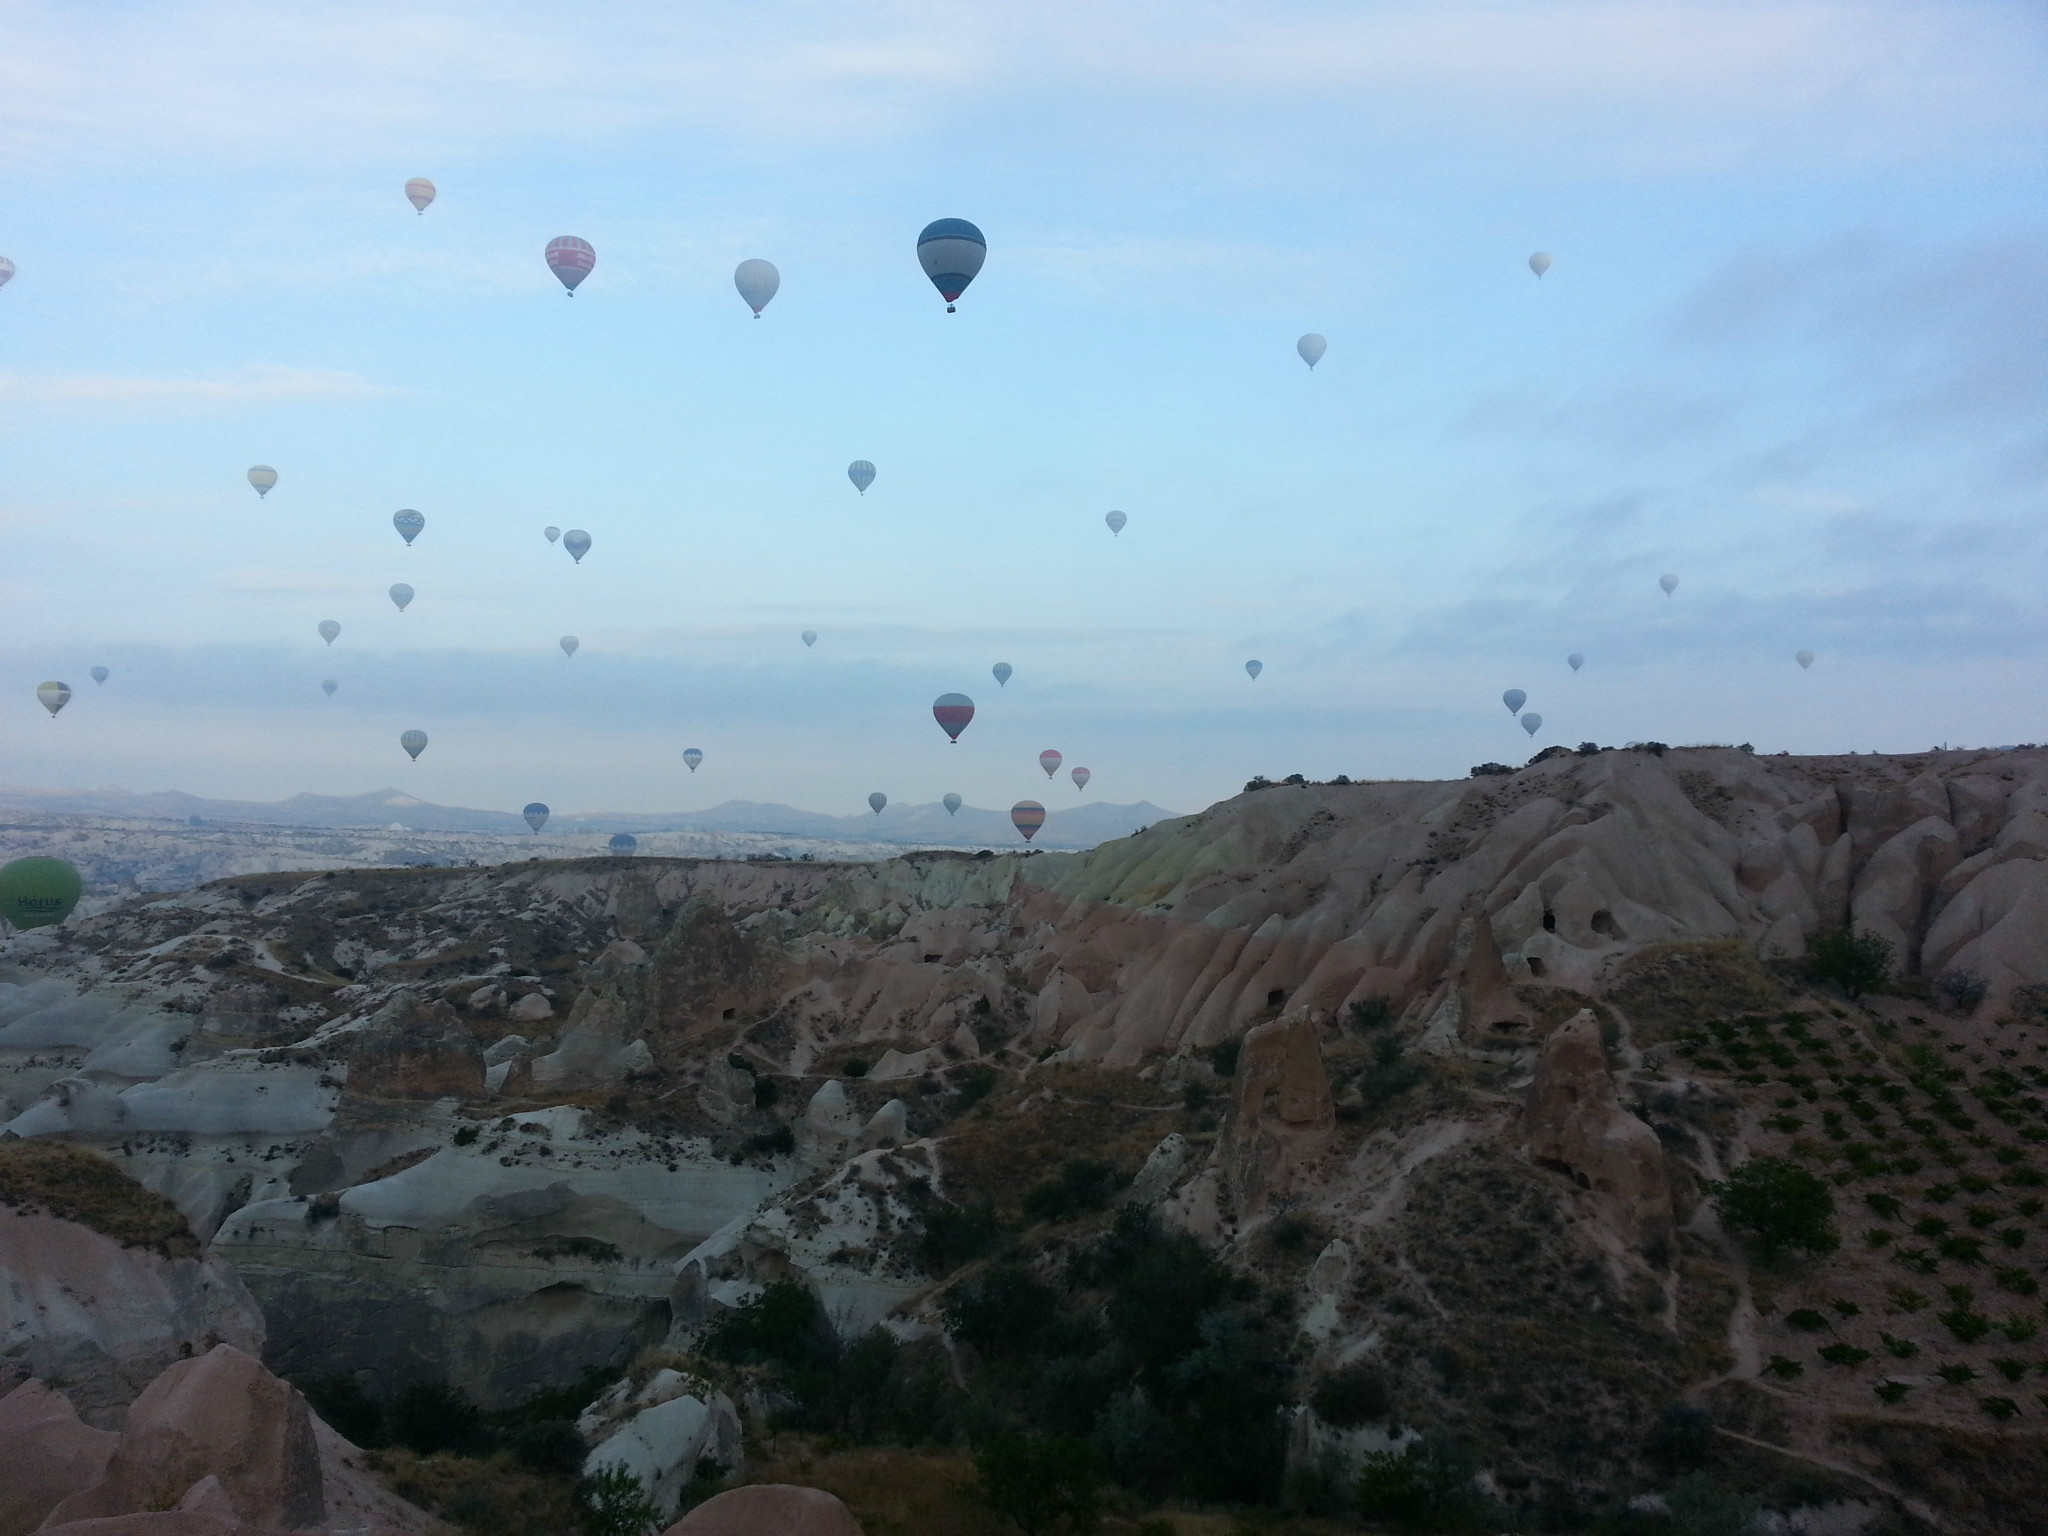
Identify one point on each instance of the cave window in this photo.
(1535, 965)
(1276, 997)
(730, 1014)
(1549, 921)
(1603, 924)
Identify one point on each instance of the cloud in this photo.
(253, 384)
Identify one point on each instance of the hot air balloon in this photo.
(1253, 669)
(1575, 661)
(414, 742)
(54, 696)
(408, 523)
(1116, 521)
(577, 542)
(6, 271)
(328, 630)
(622, 844)
(419, 192)
(100, 674)
(1668, 583)
(551, 533)
(951, 251)
(1540, 263)
(263, 477)
(1532, 722)
(1027, 816)
(570, 259)
(401, 594)
(862, 474)
(569, 644)
(1002, 673)
(810, 638)
(1514, 698)
(1804, 658)
(536, 815)
(692, 757)
(1049, 760)
(876, 801)
(952, 803)
(757, 281)
(328, 685)
(1311, 347)
(953, 711)
(1081, 776)
(37, 892)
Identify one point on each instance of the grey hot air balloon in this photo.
(951, 252)
(622, 844)
(1540, 263)
(54, 696)
(1532, 722)
(100, 674)
(1514, 698)
(1311, 347)
(328, 685)
(757, 281)
(6, 271)
(876, 801)
(1804, 658)
(1668, 583)
(263, 477)
(1575, 661)
(1253, 669)
(577, 542)
(414, 742)
(692, 757)
(1003, 674)
(536, 815)
(810, 638)
(401, 594)
(551, 533)
(1116, 521)
(419, 192)
(410, 524)
(952, 803)
(328, 630)
(569, 644)
(862, 474)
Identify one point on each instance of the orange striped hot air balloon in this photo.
(953, 711)
(1027, 816)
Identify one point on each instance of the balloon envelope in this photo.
(1254, 668)
(1532, 722)
(1575, 661)
(951, 802)
(622, 843)
(1514, 698)
(810, 638)
(328, 685)
(1081, 776)
(1027, 816)
(328, 630)
(569, 644)
(876, 801)
(414, 742)
(862, 474)
(536, 815)
(419, 192)
(263, 477)
(54, 696)
(692, 756)
(1668, 583)
(37, 892)
(551, 533)
(1540, 263)
(757, 281)
(1804, 658)
(1049, 760)
(951, 252)
(953, 711)
(6, 271)
(1002, 674)
(577, 542)
(1311, 347)
(401, 594)
(570, 260)
(100, 674)
(408, 523)
(1116, 521)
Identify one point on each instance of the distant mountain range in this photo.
(1081, 826)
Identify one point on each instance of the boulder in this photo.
(1574, 1122)
(677, 1425)
(768, 1509)
(46, 1453)
(597, 1048)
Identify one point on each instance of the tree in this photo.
(1778, 1205)
(1855, 962)
(1036, 1483)
(614, 1504)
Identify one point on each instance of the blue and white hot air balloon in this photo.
(1003, 673)
(951, 252)
(692, 756)
(410, 524)
(862, 474)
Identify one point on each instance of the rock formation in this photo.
(768, 1509)
(1575, 1123)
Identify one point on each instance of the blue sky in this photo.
(1794, 348)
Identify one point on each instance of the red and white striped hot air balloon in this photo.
(1081, 776)
(1049, 760)
(419, 192)
(1027, 816)
(953, 711)
(570, 259)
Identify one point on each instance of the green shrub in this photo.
(430, 1416)
(1855, 962)
(1425, 1486)
(1082, 1184)
(1778, 1205)
(955, 1234)
(1002, 1312)
(1352, 1395)
(1223, 1057)
(1040, 1484)
(784, 1326)
(614, 1504)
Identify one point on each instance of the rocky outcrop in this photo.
(1281, 1112)
(415, 1050)
(1574, 1122)
(662, 1429)
(768, 1509)
(46, 1454)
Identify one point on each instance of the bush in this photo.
(1700, 1507)
(429, 1417)
(1778, 1205)
(1960, 991)
(1372, 1013)
(955, 1235)
(1002, 1312)
(784, 1326)
(615, 1504)
(1855, 962)
(1083, 1184)
(1683, 1439)
(1223, 1057)
(1350, 1396)
(1038, 1484)
(1426, 1486)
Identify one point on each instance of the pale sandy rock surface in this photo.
(768, 1509)
(46, 1453)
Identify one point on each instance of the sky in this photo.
(1793, 349)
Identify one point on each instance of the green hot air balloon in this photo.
(37, 892)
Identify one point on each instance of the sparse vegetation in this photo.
(53, 1178)
(1857, 962)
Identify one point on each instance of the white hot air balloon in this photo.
(1253, 669)
(419, 192)
(54, 696)
(328, 685)
(401, 594)
(577, 542)
(1116, 521)
(100, 674)
(1532, 722)
(1540, 263)
(1514, 698)
(328, 630)
(757, 281)
(1668, 583)
(1575, 661)
(810, 638)
(876, 801)
(1804, 658)
(952, 803)
(569, 644)
(414, 742)
(1311, 347)
(263, 477)
(692, 756)
(551, 533)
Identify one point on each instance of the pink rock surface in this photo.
(46, 1453)
(1575, 1123)
(768, 1509)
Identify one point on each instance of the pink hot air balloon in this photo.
(1081, 776)
(1027, 816)
(1049, 760)
(570, 259)
(953, 711)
